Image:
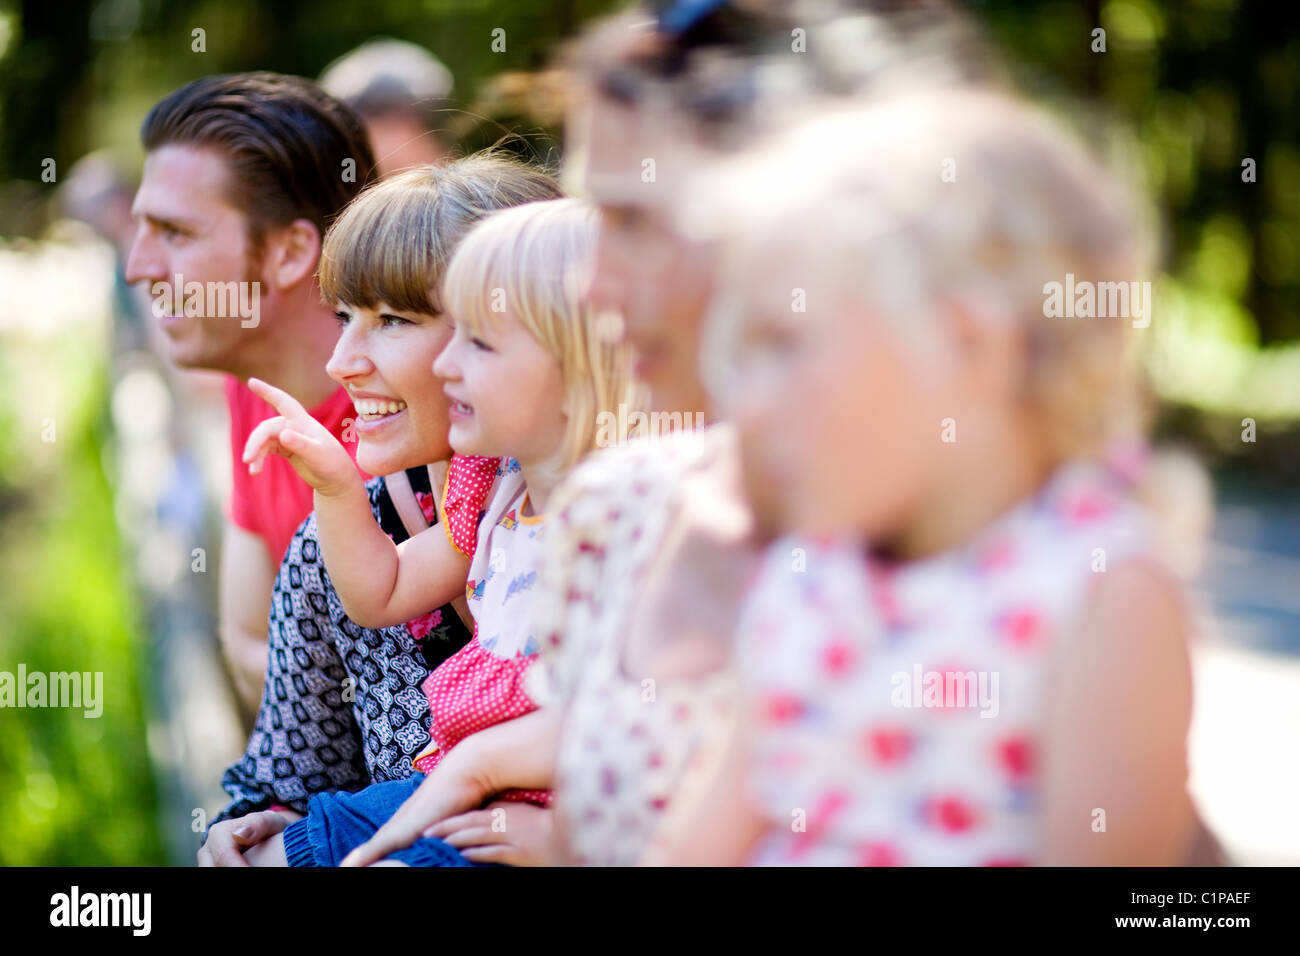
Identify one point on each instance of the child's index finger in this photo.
(278, 398)
(261, 435)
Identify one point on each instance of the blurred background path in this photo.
(1245, 745)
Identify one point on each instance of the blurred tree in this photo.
(1206, 84)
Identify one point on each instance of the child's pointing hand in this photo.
(308, 445)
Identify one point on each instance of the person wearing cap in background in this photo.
(400, 91)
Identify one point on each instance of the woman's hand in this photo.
(308, 445)
(518, 753)
(228, 839)
(444, 793)
(509, 832)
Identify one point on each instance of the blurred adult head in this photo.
(97, 192)
(632, 149)
(664, 92)
(400, 91)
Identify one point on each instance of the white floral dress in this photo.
(626, 741)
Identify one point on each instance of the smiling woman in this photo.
(382, 359)
(381, 266)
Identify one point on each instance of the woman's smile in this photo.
(375, 412)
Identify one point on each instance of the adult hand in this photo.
(228, 839)
(444, 793)
(308, 445)
(509, 832)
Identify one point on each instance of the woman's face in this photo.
(655, 279)
(383, 359)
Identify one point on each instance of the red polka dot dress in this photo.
(901, 710)
(485, 502)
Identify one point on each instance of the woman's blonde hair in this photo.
(533, 262)
(393, 242)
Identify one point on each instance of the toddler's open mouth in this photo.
(457, 410)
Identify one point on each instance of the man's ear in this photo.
(292, 254)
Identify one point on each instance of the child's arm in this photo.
(1116, 744)
(518, 753)
(379, 584)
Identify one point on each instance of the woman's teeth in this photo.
(369, 409)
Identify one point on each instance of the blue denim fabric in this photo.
(338, 823)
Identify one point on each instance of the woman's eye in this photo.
(342, 317)
(393, 320)
(480, 345)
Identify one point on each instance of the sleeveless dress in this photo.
(900, 711)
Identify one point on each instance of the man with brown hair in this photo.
(243, 175)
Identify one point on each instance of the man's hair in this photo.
(285, 140)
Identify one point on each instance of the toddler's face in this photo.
(839, 425)
(506, 392)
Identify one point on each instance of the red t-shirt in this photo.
(272, 504)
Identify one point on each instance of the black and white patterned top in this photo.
(342, 706)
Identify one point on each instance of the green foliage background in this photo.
(73, 790)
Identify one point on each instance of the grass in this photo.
(74, 790)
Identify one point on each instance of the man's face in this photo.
(654, 278)
(186, 225)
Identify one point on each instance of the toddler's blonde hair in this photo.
(534, 262)
(971, 198)
(864, 189)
